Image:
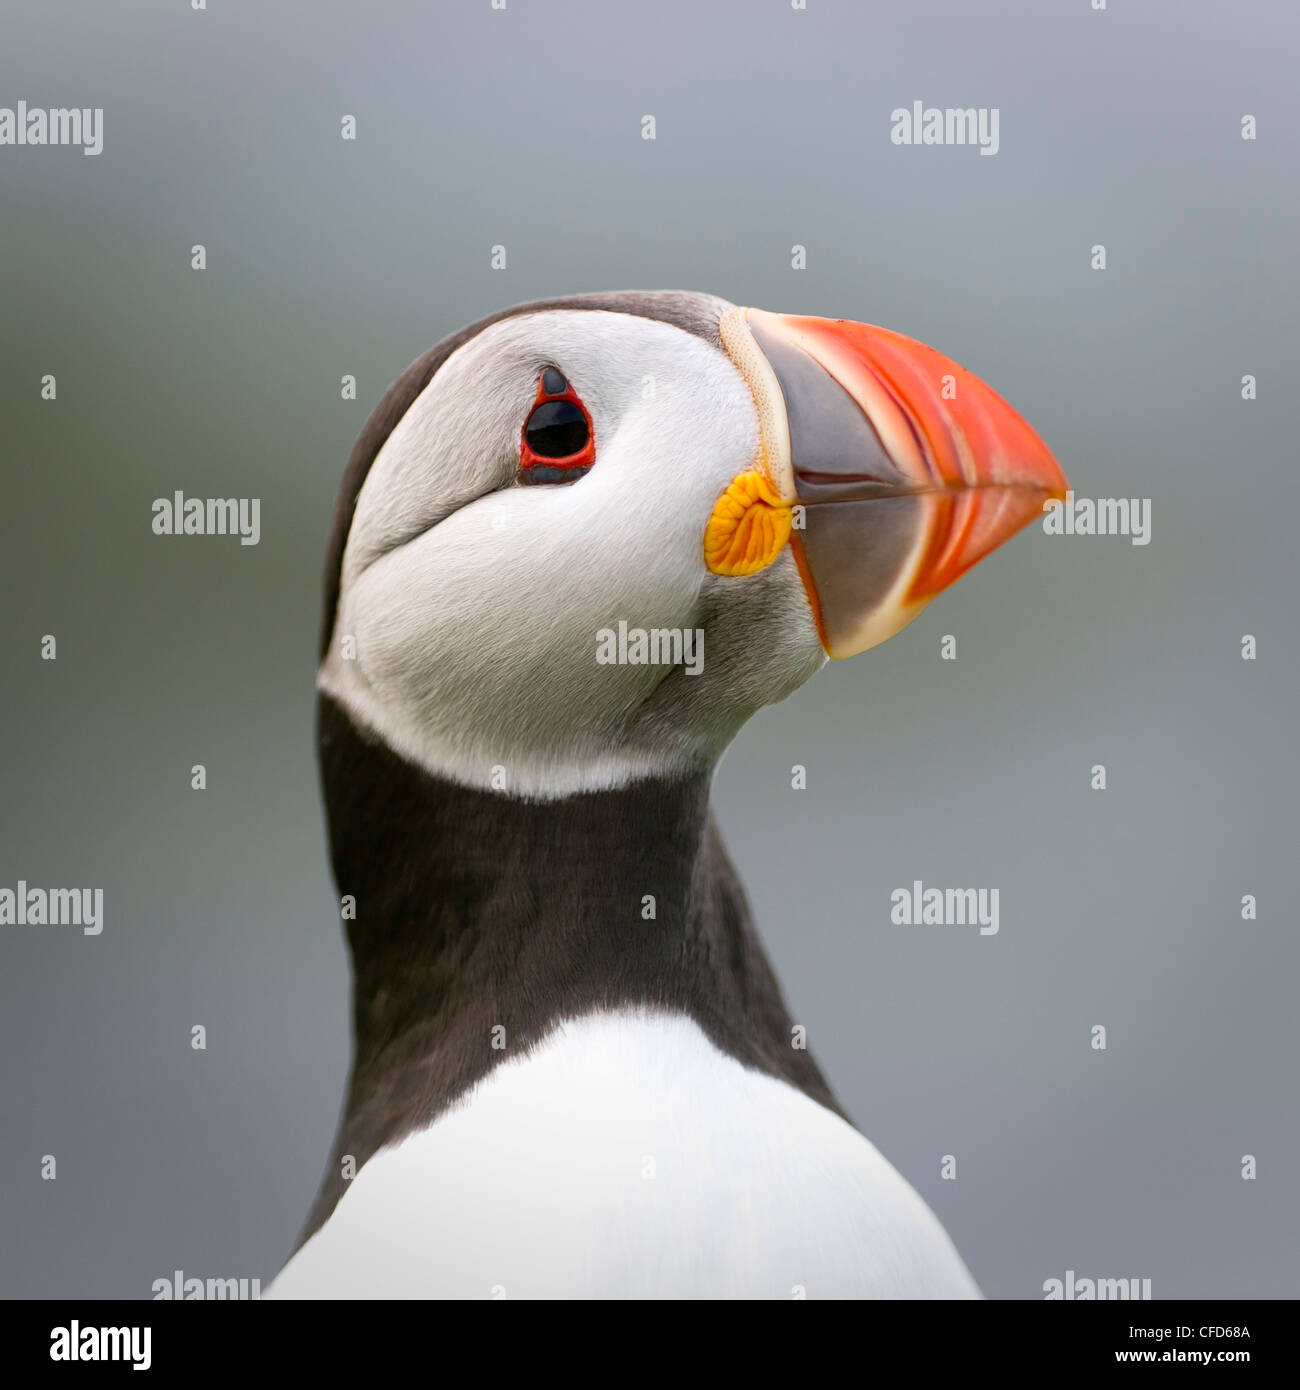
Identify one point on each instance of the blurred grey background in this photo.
(478, 127)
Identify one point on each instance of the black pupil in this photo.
(556, 429)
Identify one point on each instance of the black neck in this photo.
(477, 913)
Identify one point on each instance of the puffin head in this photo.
(580, 542)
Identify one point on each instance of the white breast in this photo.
(629, 1157)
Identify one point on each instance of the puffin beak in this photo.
(904, 468)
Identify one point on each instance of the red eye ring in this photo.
(557, 443)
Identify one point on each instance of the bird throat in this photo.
(482, 922)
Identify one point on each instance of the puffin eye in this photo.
(557, 444)
(556, 429)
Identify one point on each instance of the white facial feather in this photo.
(475, 604)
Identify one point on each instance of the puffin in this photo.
(574, 1073)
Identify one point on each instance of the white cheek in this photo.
(439, 458)
(470, 605)
(468, 661)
